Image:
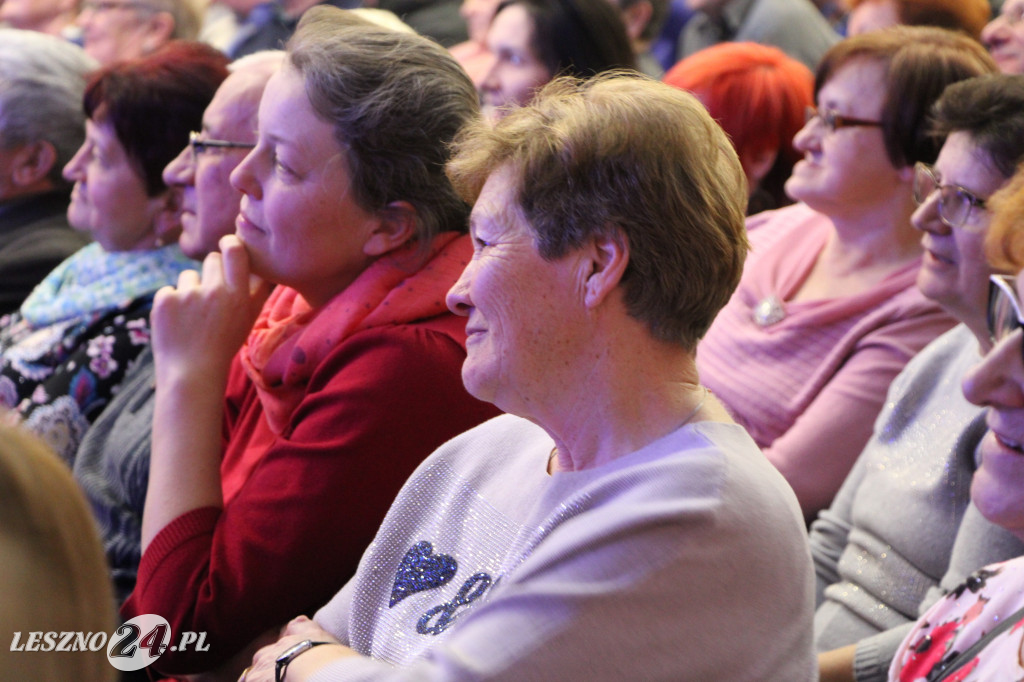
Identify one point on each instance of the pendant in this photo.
(769, 311)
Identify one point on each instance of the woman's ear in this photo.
(160, 29)
(636, 17)
(397, 227)
(607, 257)
(757, 164)
(32, 164)
(906, 174)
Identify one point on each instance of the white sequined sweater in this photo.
(685, 560)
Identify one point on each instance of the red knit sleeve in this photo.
(294, 533)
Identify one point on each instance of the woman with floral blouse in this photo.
(64, 352)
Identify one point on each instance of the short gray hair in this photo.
(42, 79)
(187, 15)
(395, 101)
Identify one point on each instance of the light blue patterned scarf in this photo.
(94, 281)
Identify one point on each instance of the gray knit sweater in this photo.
(901, 530)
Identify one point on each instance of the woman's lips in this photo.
(1008, 443)
(246, 226)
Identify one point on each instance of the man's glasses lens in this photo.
(1004, 314)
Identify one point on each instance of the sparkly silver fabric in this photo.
(486, 567)
(894, 522)
(431, 499)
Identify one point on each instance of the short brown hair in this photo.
(990, 109)
(395, 101)
(919, 61)
(622, 152)
(969, 16)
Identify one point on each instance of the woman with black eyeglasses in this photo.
(975, 632)
(828, 312)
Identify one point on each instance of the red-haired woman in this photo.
(759, 96)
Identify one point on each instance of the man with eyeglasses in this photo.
(42, 124)
(201, 172)
(112, 464)
(901, 530)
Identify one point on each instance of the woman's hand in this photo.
(201, 324)
(197, 328)
(304, 665)
(836, 665)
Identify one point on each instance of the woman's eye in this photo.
(280, 167)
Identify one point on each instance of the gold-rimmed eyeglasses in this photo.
(955, 202)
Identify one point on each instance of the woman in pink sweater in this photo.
(827, 312)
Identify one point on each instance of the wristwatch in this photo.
(281, 666)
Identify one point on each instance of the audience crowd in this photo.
(513, 339)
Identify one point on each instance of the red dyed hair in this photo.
(757, 93)
(153, 102)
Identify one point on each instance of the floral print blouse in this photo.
(60, 377)
(960, 619)
(66, 350)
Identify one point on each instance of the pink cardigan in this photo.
(808, 388)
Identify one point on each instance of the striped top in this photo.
(809, 386)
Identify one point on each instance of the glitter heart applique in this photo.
(421, 570)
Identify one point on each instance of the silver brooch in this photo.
(769, 311)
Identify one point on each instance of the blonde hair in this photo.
(52, 568)
(1004, 243)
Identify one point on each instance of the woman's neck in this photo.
(633, 395)
(861, 252)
